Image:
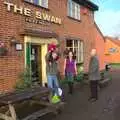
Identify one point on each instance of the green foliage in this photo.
(115, 65)
(80, 67)
(79, 77)
(24, 81)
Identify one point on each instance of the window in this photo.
(113, 50)
(77, 47)
(73, 9)
(43, 3)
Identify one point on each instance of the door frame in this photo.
(44, 45)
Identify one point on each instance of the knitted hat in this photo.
(51, 47)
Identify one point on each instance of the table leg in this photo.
(12, 112)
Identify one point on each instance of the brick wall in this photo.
(100, 46)
(112, 57)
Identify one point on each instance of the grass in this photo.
(115, 65)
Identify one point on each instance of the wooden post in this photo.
(12, 111)
(5, 117)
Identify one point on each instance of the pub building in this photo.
(28, 26)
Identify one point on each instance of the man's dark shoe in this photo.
(93, 100)
(90, 98)
(70, 92)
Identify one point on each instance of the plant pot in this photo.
(3, 51)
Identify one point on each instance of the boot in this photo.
(70, 85)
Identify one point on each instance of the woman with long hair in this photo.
(70, 70)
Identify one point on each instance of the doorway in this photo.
(36, 49)
(35, 60)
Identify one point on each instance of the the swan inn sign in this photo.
(35, 15)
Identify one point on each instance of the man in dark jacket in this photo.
(94, 75)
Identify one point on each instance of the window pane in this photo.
(36, 2)
(31, 1)
(76, 51)
(77, 47)
(69, 43)
(73, 10)
(44, 3)
(70, 8)
(76, 43)
(40, 2)
(77, 54)
(71, 49)
(82, 52)
(78, 12)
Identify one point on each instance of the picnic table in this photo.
(9, 101)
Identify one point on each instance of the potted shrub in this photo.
(3, 49)
(24, 81)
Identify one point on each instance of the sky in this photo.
(108, 17)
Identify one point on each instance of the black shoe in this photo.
(93, 100)
(90, 98)
(70, 92)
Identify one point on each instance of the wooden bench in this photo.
(104, 82)
(105, 79)
(9, 101)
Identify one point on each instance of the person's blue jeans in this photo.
(70, 77)
(70, 80)
(53, 83)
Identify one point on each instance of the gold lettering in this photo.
(20, 10)
(59, 21)
(53, 19)
(27, 12)
(56, 20)
(9, 5)
(38, 15)
(46, 17)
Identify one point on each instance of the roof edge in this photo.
(88, 4)
(99, 30)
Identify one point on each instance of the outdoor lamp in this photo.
(16, 44)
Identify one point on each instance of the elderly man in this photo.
(94, 75)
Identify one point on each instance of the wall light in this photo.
(16, 44)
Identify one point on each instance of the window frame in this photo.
(80, 49)
(73, 10)
(39, 5)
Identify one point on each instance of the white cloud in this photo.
(109, 22)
